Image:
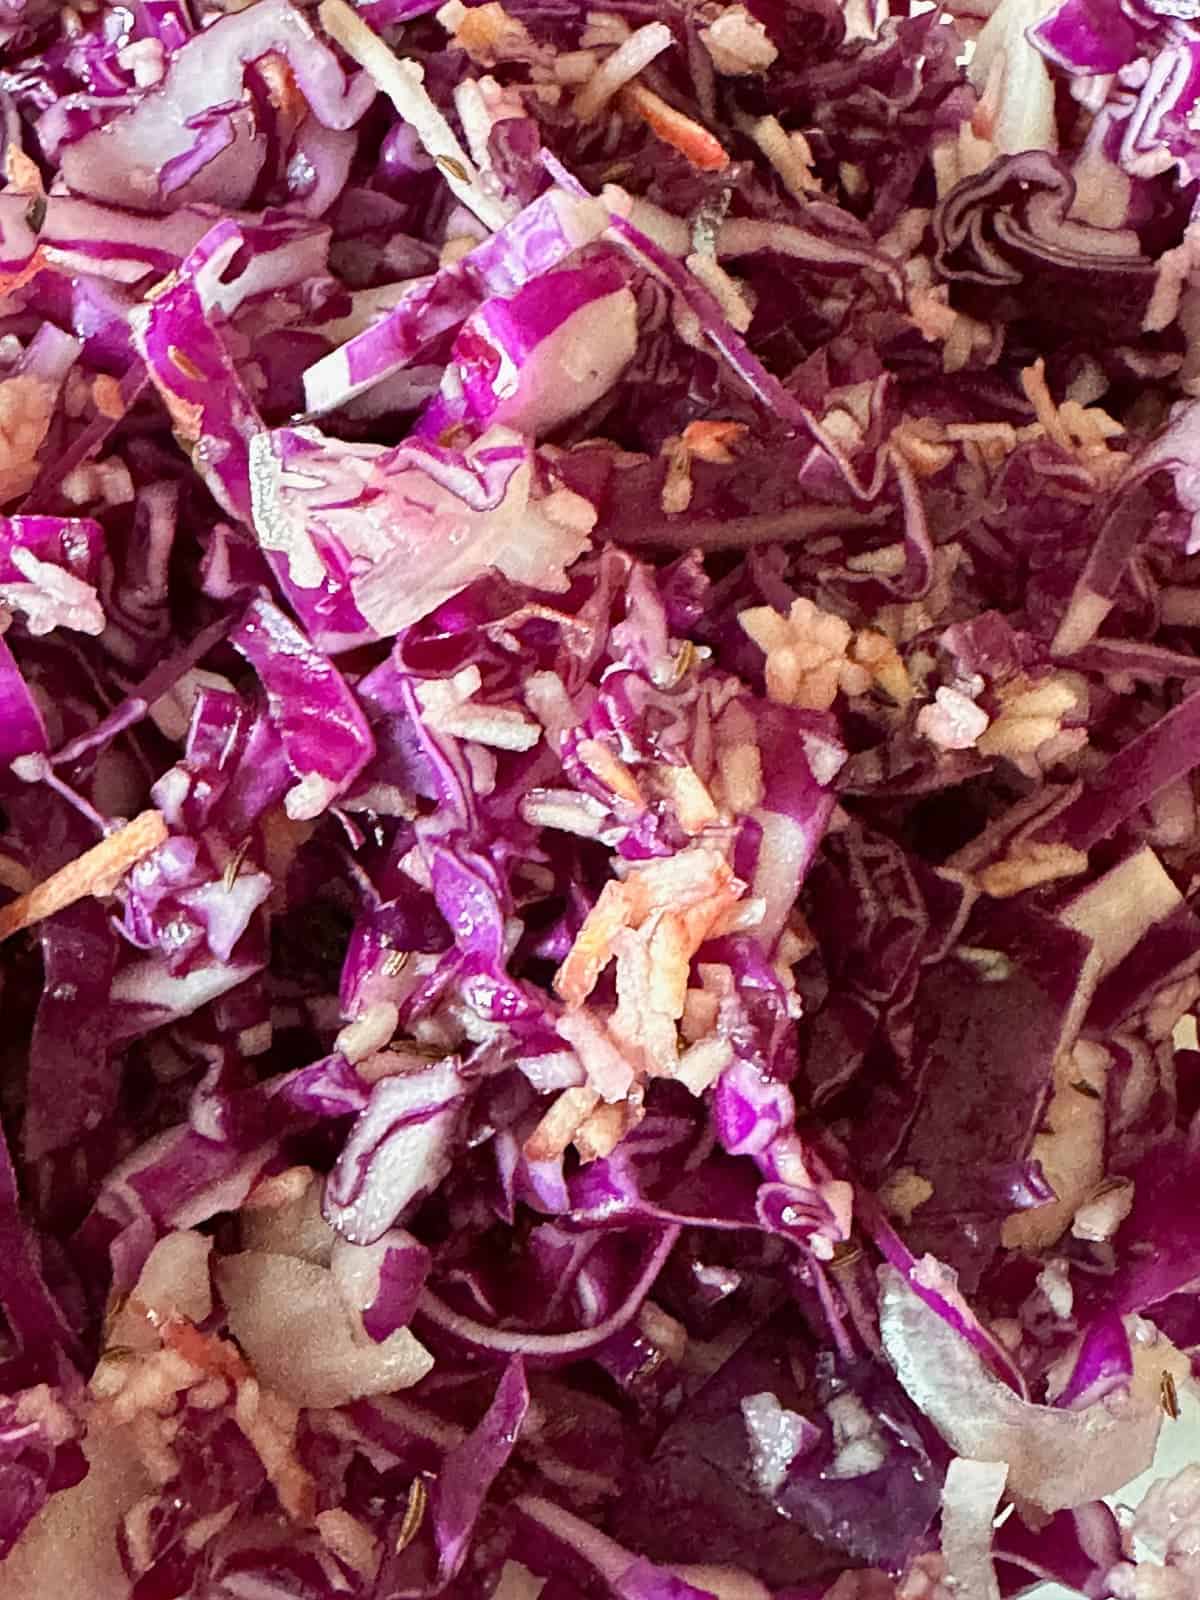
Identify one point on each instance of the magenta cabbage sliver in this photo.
(599, 831)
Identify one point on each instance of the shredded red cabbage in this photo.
(599, 836)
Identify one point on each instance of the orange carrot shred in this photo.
(10, 282)
(97, 871)
(284, 93)
(106, 392)
(212, 1354)
(23, 174)
(675, 129)
(711, 440)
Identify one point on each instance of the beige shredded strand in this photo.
(1033, 864)
(1033, 381)
(620, 68)
(560, 1123)
(600, 1134)
(97, 871)
(402, 82)
(610, 770)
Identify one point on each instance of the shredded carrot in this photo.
(97, 872)
(611, 770)
(283, 91)
(106, 392)
(713, 440)
(187, 416)
(488, 34)
(269, 1422)
(602, 1132)
(689, 796)
(679, 899)
(218, 1357)
(10, 282)
(22, 174)
(1037, 392)
(673, 128)
(592, 950)
(560, 1123)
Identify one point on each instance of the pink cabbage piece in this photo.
(403, 530)
(540, 237)
(321, 727)
(1056, 1458)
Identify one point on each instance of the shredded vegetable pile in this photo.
(599, 853)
